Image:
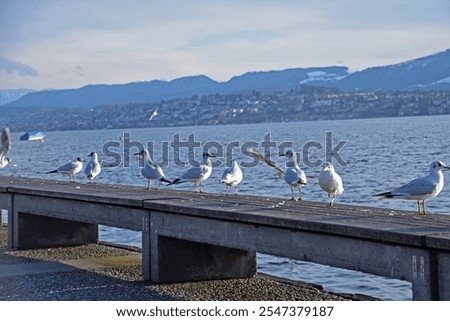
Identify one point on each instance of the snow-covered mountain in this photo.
(430, 72)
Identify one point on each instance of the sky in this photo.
(61, 44)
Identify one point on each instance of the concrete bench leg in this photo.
(176, 260)
(444, 276)
(34, 231)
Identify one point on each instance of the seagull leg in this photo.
(201, 187)
(300, 198)
(235, 190)
(333, 197)
(418, 207)
(226, 189)
(195, 187)
(292, 194)
(148, 185)
(424, 210)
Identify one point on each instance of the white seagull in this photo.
(197, 174)
(422, 188)
(232, 176)
(70, 168)
(93, 168)
(5, 147)
(151, 170)
(154, 114)
(293, 175)
(330, 182)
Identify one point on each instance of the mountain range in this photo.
(426, 73)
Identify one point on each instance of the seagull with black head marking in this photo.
(93, 168)
(151, 170)
(197, 174)
(422, 188)
(70, 168)
(293, 175)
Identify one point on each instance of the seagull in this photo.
(70, 168)
(5, 147)
(330, 182)
(422, 188)
(268, 161)
(155, 113)
(93, 168)
(152, 170)
(197, 174)
(293, 175)
(232, 176)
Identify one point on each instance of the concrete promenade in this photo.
(97, 272)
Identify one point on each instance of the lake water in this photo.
(371, 155)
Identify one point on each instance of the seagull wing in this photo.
(89, 168)
(266, 160)
(5, 142)
(67, 167)
(193, 173)
(419, 186)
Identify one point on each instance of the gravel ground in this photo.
(124, 283)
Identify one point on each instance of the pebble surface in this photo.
(125, 283)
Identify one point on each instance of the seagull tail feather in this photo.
(175, 181)
(385, 195)
(165, 180)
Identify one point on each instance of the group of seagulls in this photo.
(419, 189)
(92, 169)
(294, 176)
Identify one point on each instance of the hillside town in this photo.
(305, 104)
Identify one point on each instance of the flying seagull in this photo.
(155, 113)
(5, 146)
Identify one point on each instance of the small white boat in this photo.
(33, 136)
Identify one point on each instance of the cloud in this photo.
(14, 67)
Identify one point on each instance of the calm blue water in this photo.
(379, 154)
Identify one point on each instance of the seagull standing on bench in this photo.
(422, 188)
(93, 168)
(70, 168)
(151, 170)
(330, 182)
(197, 174)
(232, 176)
(293, 175)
